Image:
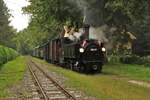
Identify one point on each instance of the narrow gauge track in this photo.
(50, 90)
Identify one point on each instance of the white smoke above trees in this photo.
(93, 13)
(103, 33)
(98, 33)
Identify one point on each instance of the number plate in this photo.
(93, 49)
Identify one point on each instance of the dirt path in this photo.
(132, 81)
(140, 83)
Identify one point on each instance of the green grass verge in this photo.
(108, 85)
(11, 74)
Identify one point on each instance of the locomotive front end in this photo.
(92, 55)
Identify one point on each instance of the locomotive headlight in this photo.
(103, 49)
(81, 50)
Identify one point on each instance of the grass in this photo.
(11, 74)
(108, 85)
(137, 72)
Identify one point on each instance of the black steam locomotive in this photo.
(84, 55)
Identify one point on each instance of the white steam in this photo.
(93, 13)
(98, 33)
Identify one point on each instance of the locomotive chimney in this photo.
(86, 31)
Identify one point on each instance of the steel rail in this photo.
(56, 83)
(38, 83)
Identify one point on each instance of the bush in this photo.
(7, 54)
(147, 61)
(113, 59)
(131, 59)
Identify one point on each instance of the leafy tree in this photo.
(51, 14)
(129, 16)
(6, 31)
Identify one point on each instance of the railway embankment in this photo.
(112, 84)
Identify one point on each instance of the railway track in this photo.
(45, 87)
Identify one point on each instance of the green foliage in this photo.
(47, 11)
(28, 39)
(142, 44)
(132, 16)
(7, 54)
(50, 15)
(146, 61)
(131, 59)
(6, 31)
(113, 59)
(121, 12)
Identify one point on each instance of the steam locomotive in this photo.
(84, 55)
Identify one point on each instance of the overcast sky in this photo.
(18, 19)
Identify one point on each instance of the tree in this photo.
(6, 31)
(132, 16)
(50, 15)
